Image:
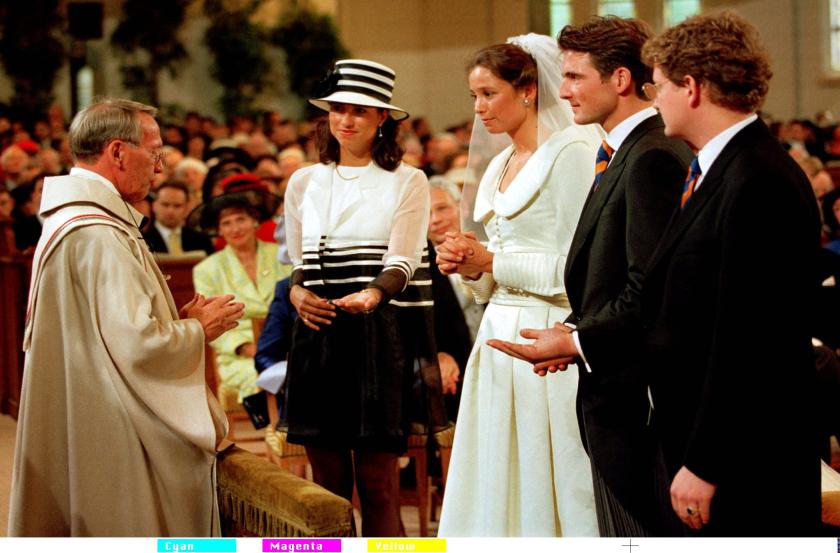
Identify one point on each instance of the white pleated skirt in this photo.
(518, 466)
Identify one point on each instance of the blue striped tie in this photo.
(690, 182)
(601, 162)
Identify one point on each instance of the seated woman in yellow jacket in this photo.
(246, 267)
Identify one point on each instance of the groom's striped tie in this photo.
(604, 155)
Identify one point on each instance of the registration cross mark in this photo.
(629, 545)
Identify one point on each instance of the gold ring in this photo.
(305, 317)
(691, 511)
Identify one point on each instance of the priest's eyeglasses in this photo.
(156, 154)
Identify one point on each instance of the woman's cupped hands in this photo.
(315, 311)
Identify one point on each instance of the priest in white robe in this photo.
(117, 431)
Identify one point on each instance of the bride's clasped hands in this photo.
(462, 253)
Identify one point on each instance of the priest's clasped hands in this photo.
(217, 314)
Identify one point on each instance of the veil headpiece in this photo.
(553, 114)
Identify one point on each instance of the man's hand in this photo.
(553, 348)
(184, 312)
(449, 372)
(217, 314)
(691, 498)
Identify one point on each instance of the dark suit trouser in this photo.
(615, 521)
(377, 480)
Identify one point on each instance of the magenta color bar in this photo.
(301, 545)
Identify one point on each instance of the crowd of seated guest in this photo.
(200, 152)
(816, 147)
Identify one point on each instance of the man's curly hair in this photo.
(722, 51)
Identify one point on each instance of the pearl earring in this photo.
(526, 102)
(379, 134)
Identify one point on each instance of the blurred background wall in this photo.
(428, 43)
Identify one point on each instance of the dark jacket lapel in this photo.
(597, 199)
(709, 186)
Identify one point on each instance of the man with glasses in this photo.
(636, 189)
(117, 430)
(728, 296)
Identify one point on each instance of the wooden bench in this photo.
(15, 270)
(178, 271)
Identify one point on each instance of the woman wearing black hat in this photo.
(246, 267)
(356, 228)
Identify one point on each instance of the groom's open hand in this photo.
(552, 350)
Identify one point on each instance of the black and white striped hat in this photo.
(361, 83)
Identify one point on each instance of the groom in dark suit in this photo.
(726, 299)
(636, 189)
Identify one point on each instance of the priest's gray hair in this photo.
(104, 120)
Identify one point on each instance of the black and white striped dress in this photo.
(361, 381)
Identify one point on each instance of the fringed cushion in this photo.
(257, 498)
(444, 438)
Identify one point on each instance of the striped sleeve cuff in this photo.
(296, 277)
(390, 282)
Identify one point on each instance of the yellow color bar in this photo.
(410, 545)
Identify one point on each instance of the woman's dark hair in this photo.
(207, 216)
(386, 152)
(242, 206)
(509, 63)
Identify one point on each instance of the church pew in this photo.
(15, 271)
(178, 273)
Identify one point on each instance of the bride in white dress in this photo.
(518, 467)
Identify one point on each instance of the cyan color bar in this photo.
(307, 545)
(212, 545)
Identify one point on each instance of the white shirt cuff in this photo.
(576, 338)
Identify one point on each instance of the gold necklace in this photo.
(342, 177)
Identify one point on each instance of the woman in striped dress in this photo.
(356, 228)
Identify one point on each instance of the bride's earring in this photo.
(379, 133)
